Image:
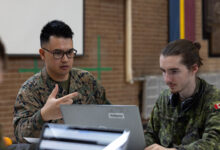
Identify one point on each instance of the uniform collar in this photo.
(174, 98)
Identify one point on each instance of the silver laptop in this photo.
(108, 116)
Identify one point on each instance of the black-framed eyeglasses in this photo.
(58, 54)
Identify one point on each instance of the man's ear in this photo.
(42, 54)
(195, 68)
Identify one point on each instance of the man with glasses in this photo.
(39, 99)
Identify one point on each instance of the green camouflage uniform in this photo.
(33, 95)
(197, 128)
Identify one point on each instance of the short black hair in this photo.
(55, 28)
(187, 49)
(2, 54)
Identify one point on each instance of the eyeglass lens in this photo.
(59, 53)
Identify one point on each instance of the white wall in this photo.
(21, 22)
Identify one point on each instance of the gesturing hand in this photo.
(51, 110)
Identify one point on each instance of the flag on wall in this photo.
(181, 19)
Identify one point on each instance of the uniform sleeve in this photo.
(153, 126)
(27, 117)
(211, 136)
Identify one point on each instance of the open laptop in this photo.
(108, 116)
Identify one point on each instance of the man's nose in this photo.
(167, 77)
(64, 58)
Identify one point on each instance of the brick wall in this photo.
(210, 64)
(150, 35)
(106, 18)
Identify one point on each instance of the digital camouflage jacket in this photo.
(194, 125)
(34, 93)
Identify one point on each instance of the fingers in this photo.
(54, 92)
(151, 147)
(68, 102)
(155, 147)
(67, 98)
(70, 96)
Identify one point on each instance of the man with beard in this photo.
(187, 115)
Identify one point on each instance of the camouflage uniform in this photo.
(35, 91)
(196, 128)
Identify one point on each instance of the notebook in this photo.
(108, 117)
(66, 137)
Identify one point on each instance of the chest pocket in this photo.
(85, 96)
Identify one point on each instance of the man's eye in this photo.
(57, 52)
(174, 71)
(70, 51)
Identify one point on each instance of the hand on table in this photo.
(157, 147)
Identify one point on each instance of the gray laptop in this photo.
(108, 116)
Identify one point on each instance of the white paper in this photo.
(32, 140)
